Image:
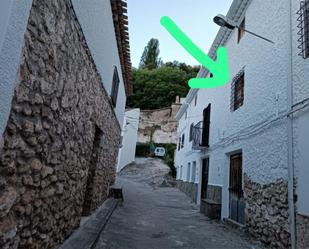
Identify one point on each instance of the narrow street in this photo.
(155, 216)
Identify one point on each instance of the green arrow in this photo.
(219, 68)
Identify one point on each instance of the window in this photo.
(237, 94)
(191, 132)
(186, 115)
(179, 143)
(303, 25)
(193, 172)
(195, 100)
(180, 175)
(115, 87)
(241, 30)
(188, 172)
(182, 140)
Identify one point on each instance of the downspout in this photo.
(290, 133)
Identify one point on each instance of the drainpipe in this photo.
(290, 133)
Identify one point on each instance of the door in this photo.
(206, 125)
(205, 173)
(96, 148)
(237, 203)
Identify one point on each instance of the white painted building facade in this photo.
(129, 138)
(275, 78)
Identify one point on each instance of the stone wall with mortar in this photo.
(302, 223)
(267, 212)
(58, 105)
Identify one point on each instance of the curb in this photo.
(86, 236)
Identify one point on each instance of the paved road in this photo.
(154, 217)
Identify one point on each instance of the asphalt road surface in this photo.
(154, 216)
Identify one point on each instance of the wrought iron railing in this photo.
(200, 136)
(303, 25)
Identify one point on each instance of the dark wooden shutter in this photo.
(241, 30)
(115, 87)
(206, 126)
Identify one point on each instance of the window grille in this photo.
(303, 25)
(237, 93)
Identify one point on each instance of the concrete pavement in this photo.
(154, 217)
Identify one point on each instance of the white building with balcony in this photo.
(242, 147)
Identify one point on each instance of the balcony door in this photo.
(206, 125)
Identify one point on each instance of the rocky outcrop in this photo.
(58, 105)
(267, 212)
(159, 125)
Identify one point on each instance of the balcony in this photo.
(200, 136)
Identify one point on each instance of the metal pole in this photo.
(259, 36)
(290, 133)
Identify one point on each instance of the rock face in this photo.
(62, 138)
(159, 125)
(302, 231)
(267, 212)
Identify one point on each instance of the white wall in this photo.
(13, 21)
(129, 133)
(264, 152)
(96, 21)
(301, 118)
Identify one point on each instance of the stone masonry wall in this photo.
(58, 105)
(302, 223)
(267, 212)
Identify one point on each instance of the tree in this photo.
(158, 88)
(150, 58)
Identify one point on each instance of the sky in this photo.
(194, 17)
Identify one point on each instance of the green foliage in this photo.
(150, 58)
(169, 157)
(142, 150)
(153, 89)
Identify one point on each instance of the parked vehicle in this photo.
(160, 151)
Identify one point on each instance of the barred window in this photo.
(237, 94)
(115, 87)
(303, 26)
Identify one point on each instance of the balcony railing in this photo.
(200, 136)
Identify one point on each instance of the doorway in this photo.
(236, 194)
(205, 174)
(92, 171)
